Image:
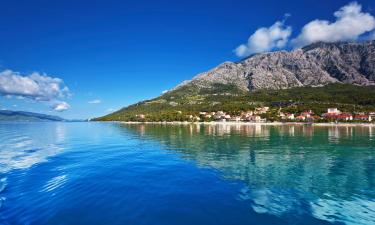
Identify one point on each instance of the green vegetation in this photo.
(190, 100)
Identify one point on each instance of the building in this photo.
(362, 117)
(262, 110)
(290, 116)
(333, 111)
(315, 117)
(256, 119)
(221, 116)
(345, 116)
(307, 114)
(286, 116)
(335, 114)
(246, 115)
(342, 116)
(300, 117)
(372, 116)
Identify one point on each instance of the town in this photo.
(260, 115)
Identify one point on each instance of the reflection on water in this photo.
(21, 147)
(327, 172)
(3, 183)
(110, 173)
(28, 148)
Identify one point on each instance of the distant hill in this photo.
(177, 106)
(7, 115)
(315, 77)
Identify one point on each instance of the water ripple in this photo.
(54, 183)
(3, 184)
(104, 173)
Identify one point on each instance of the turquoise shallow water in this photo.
(108, 173)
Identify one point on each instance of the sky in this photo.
(83, 59)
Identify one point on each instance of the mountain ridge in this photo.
(314, 77)
(9, 115)
(317, 64)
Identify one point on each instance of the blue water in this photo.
(108, 173)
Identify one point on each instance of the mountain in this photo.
(314, 65)
(7, 115)
(316, 76)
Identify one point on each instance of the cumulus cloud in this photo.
(61, 106)
(350, 23)
(34, 86)
(165, 91)
(266, 39)
(95, 101)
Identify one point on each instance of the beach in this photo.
(251, 123)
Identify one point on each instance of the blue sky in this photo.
(109, 54)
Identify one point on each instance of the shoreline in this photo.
(252, 123)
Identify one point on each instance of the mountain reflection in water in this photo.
(112, 173)
(328, 172)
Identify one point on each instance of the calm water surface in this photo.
(108, 173)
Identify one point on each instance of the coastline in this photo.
(253, 123)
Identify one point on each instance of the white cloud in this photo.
(95, 101)
(61, 106)
(110, 110)
(165, 91)
(350, 23)
(34, 86)
(266, 39)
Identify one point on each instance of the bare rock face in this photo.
(314, 65)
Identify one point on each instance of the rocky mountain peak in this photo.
(314, 65)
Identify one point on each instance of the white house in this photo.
(333, 111)
(290, 116)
